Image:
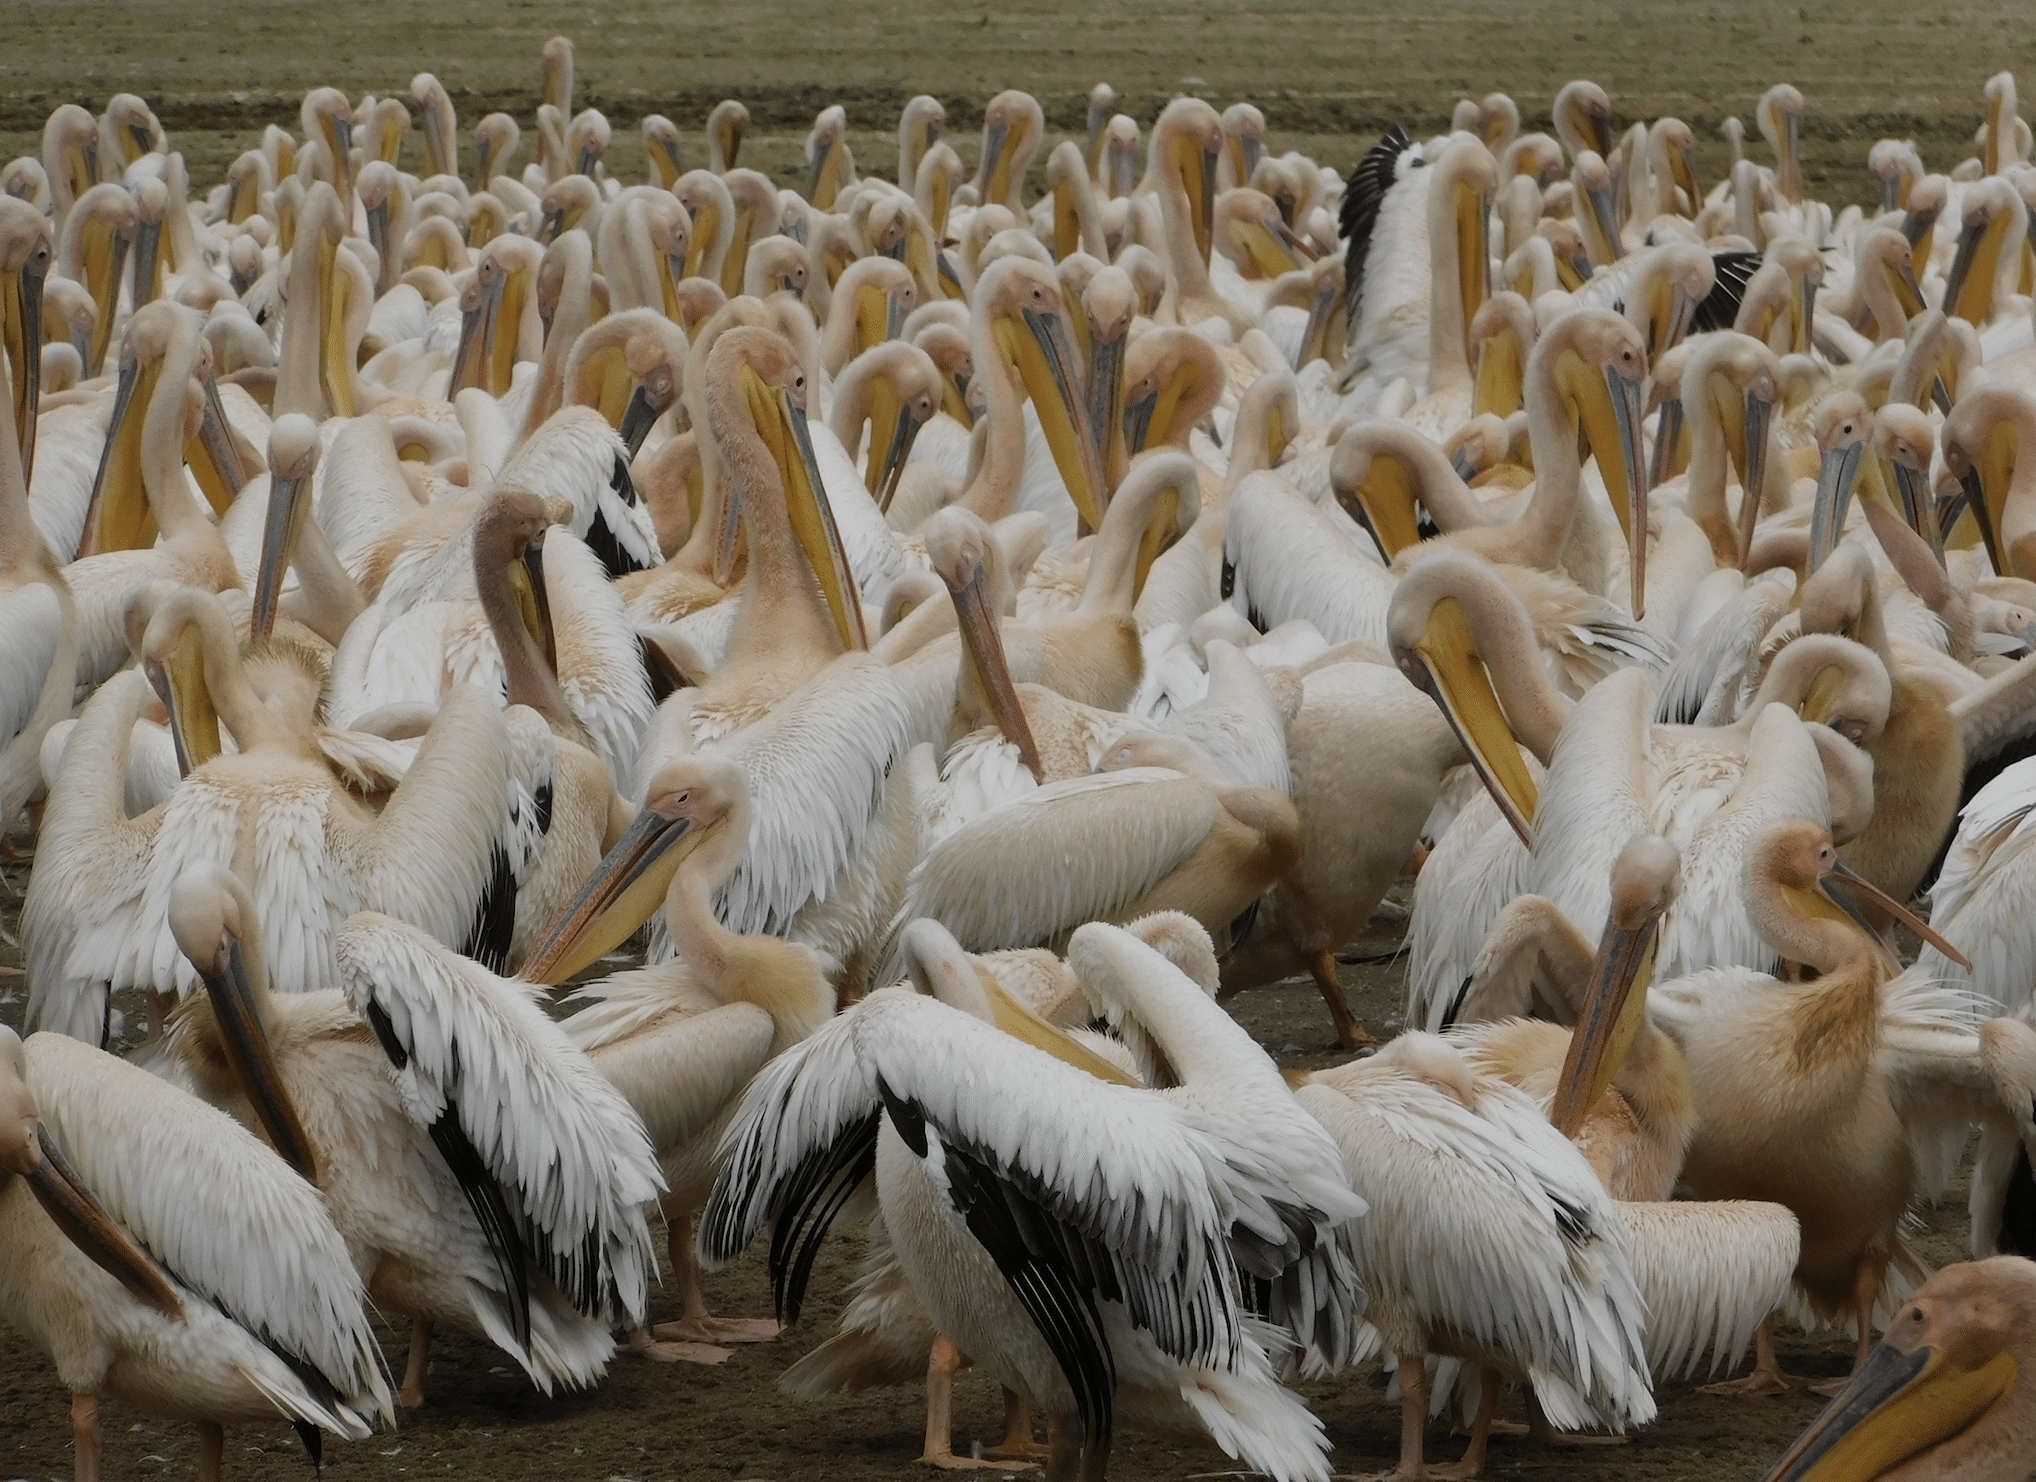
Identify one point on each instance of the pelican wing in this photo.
(555, 1163)
(816, 766)
(1491, 1224)
(578, 456)
(440, 845)
(1282, 559)
(1072, 852)
(226, 1216)
(1095, 1193)
(1977, 902)
(1710, 1272)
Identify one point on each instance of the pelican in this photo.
(1869, 1071)
(682, 1039)
(144, 489)
(1164, 1344)
(159, 1255)
(304, 1069)
(796, 699)
(1488, 1236)
(36, 603)
(1941, 1396)
(1620, 1088)
(885, 1336)
(100, 920)
(1612, 772)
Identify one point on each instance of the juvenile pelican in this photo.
(1866, 1069)
(1942, 1396)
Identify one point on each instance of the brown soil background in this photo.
(1329, 76)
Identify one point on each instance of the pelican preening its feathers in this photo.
(887, 664)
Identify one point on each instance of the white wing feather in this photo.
(546, 1122)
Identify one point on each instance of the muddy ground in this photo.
(651, 1422)
(1329, 74)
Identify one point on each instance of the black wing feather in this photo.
(1720, 308)
(1362, 196)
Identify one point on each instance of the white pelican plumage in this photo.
(1488, 1237)
(99, 921)
(161, 1256)
(1125, 1305)
(553, 1161)
(303, 1069)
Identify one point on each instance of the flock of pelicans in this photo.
(973, 636)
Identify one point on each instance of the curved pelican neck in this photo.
(1544, 526)
(993, 491)
(707, 945)
(530, 679)
(784, 614)
(568, 321)
(234, 699)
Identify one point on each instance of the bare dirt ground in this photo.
(1329, 76)
(651, 1422)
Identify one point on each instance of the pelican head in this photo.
(1243, 140)
(1018, 303)
(1012, 126)
(1793, 869)
(587, 139)
(897, 388)
(1172, 378)
(1597, 364)
(1186, 143)
(689, 802)
(491, 309)
(1583, 118)
(1996, 220)
(726, 125)
(293, 458)
(212, 917)
(757, 389)
(1434, 640)
(1597, 212)
(1743, 380)
(1947, 1369)
(25, 253)
(176, 630)
(964, 555)
(328, 118)
(827, 159)
(1109, 304)
(27, 1152)
(1904, 440)
(1982, 441)
(1252, 234)
(1644, 880)
(1780, 117)
(161, 345)
(1376, 474)
(70, 156)
(568, 202)
(1842, 427)
(495, 140)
